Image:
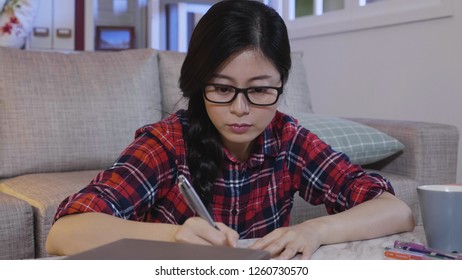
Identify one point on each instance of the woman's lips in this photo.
(239, 128)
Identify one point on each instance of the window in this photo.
(367, 2)
(172, 22)
(308, 18)
(120, 6)
(317, 7)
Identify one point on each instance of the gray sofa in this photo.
(65, 117)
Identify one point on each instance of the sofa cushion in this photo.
(65, 112)
(296, 97)
(169, 74)
(363, 144)
(16, 229)
(44, 192)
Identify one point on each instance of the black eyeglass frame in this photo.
(245, 92)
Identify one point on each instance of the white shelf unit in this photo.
(54, 26)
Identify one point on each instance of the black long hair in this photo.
(228, 28)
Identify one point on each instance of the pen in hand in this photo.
(193, 200)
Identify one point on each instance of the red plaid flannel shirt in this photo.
(252, 197)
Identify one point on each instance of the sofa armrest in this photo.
(430, 153)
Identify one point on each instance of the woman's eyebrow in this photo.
(221, 76)
(256, 78)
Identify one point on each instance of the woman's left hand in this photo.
(374, 218)
(286, 242)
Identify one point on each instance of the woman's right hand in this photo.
(196, 230)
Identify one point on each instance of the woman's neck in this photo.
(240, 151)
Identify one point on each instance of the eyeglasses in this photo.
(260, 96)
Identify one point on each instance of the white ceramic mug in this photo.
(441, 208)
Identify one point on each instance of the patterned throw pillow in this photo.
(362, 144)
(16, 19)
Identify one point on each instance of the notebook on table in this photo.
(135, 249)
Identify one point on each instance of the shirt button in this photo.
(234, 212)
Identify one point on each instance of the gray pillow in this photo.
(296, 96)
(169, 73)
(362, 144)
(64, 112)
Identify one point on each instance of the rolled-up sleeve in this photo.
(328, 177)
(144, 171)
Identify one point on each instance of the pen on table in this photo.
(419, 248)
(399, 254)
(193, 200)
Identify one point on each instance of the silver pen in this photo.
(193, 200)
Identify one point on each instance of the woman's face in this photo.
(240, 122)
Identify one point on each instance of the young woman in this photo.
(245, 159)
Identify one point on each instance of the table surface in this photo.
(372, 249)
